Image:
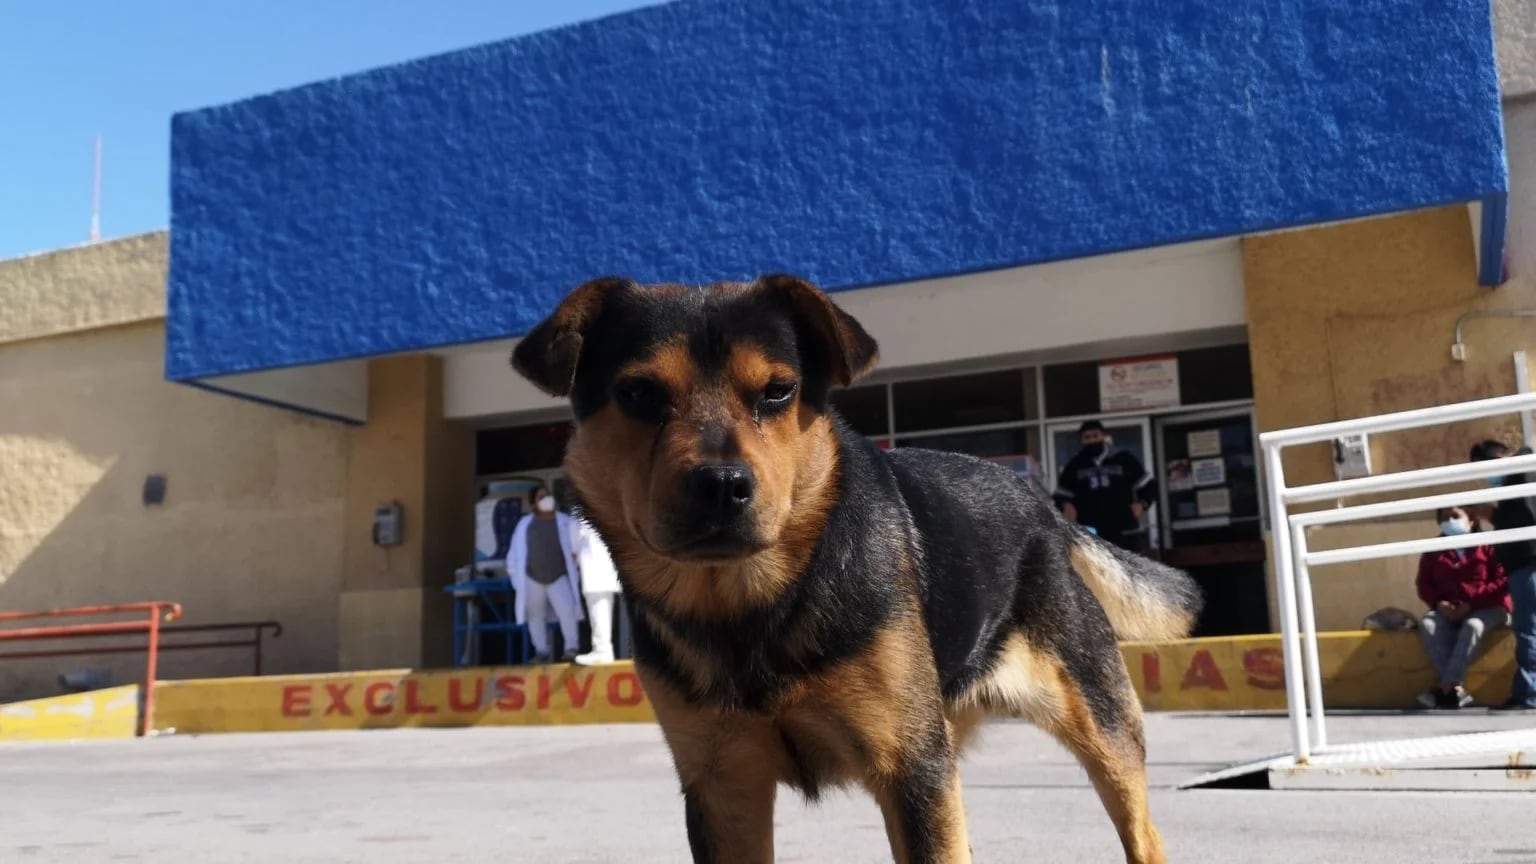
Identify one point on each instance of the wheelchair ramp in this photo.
(1483, 761)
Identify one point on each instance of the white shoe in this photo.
(593, 659)
(1429, 699)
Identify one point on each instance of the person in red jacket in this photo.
(1467, 593)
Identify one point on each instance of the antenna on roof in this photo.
(96, 196)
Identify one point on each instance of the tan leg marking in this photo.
(729, 765)
(1031, 684)
(951, 840)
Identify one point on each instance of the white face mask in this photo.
(1455, 527)
(547, 504)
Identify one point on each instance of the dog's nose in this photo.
(722, 489)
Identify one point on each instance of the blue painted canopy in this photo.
(457, 198)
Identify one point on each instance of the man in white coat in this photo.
(542, 567)
(600, 584)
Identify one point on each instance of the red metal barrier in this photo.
(150, 625)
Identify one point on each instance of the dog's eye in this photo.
(777, 396)
(642, 399)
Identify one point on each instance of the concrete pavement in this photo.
(606, 794)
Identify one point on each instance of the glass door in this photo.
(1209, 478)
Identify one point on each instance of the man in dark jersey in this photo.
(1106, 489)
(1519, 560)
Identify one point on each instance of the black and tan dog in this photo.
(811, 610)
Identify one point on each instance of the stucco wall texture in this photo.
(267, 512)
(1358, 319)
(457, 198)
(251, 527)
(88, 286)
(1515, 40)
(393, 611)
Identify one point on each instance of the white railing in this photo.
(1293, 560)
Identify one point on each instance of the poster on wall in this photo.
(1213, 502)
(1204, 443)
(1139, 384)
(1179, 477)
(496, 514)
(1209, 472)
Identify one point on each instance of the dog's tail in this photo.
(1145, 600)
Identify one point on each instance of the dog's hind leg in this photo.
(1093, 711)
(1115, 760)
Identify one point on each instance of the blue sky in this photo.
(71, 70)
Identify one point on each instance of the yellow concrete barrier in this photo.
(1361, 670)
(402, 698)
(1245, 673)
(110, 713)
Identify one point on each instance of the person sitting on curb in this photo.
(1467, 593)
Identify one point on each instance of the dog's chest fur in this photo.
(755, 661)
(817, 723)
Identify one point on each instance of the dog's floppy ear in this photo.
(548, 354)
(851, 352)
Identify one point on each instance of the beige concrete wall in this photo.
(1346, 593)
(1514, 31)
(1357, 319)
(252, 523)
(393, 611)
(119, 282)
(268, 512)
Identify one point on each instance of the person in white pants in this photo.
(599, 584)
(542, 568)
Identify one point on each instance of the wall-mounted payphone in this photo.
(388, 524)
(1352, 456)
